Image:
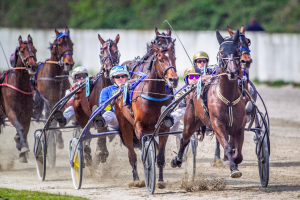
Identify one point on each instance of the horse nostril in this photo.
(171, 79)
(243, 61)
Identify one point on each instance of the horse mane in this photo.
(51, 46)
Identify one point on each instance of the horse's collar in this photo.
(229, 104)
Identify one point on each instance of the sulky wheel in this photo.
(40, 158)
(262, 152)
(77, 162)
(51, 148)
(190, 158)
(149, 166)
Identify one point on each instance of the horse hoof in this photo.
(161, 185)
(22, 158)
(174, 163)
(88, 160)
(24, 150)
(217, 162)
(236, 173)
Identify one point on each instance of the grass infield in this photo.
(10, 194)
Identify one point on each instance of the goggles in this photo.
(79, 76)
(200, 61)
(194, 76)
(122, 76)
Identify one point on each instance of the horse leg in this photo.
(58, 137)
(101, 153)
(20, 138)
(217, 151)
(222, 137)
(87, 152)
(161, 156)
(238, 141)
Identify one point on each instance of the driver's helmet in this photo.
(191, 71)
(79, 70)
(200, 54)
(116, 70)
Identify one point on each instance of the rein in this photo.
(13, 87)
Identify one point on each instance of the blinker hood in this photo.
(229, 47)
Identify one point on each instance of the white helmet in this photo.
(78, 70)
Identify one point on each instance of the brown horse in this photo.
(109, 57)
(52, 80)
(221, 107)
(16, 93)
(245, 63)
(147, 100)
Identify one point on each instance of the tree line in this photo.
(274, 15)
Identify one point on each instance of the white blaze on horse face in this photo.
(167, 55)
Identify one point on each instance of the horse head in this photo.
(163, 39)
(62, 49)
(229, 59)
(25, 55)
(244, 50)
(109, 54)
(165, 66)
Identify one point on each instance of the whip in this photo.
(179, 40)
(4, 55)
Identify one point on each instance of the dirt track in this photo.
(111, 179)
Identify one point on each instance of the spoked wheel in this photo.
(77, 163)
(190, 158)
(40, 159)
(149, 166)
(262, 152)
(51, 148)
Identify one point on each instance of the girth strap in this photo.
(229, 104)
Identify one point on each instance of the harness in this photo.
(229, 104)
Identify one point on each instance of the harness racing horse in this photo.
(149, 94)
(52, 82)
(109, 57)
(16, 93)
(245, 63)
(221, 107)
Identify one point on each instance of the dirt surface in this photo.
(112, 179)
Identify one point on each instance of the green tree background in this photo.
(274, 15)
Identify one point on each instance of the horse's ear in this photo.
(154, 47)
(171, 46)
(117, 39)
(230, 31)
(242, 30)
(56, 32)
(219, 37)
(29, 38)
(156, 32)
(100, 39)
(169, 32)
(67, 30)
(236, 37)
(20, 40)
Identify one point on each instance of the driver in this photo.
(79, 74)
(118, 76)
(201, 60)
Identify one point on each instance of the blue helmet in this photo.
(116, 70)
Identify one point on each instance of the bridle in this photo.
(166, 37)
(114, 60)
(160, 68)
(60, 56)
(25, 60)
(244, 49)
(223, 62)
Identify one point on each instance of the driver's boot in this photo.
(58, 116)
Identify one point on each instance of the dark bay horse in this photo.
(221, 107)
(52, 80)
(147, 100)
(245, 62)
(17, 94)
(109, 57)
